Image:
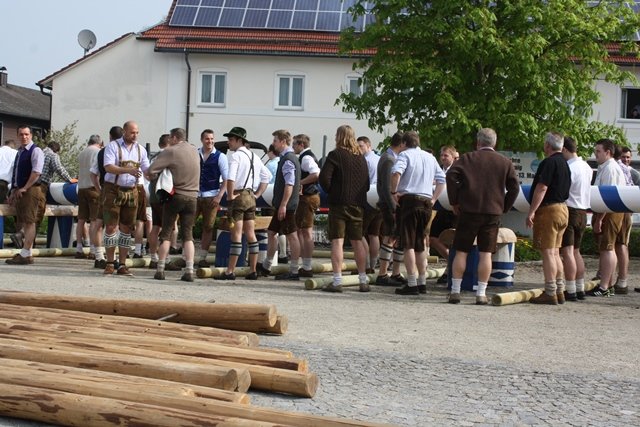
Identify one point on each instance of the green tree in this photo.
(69, 146)
(523, 67)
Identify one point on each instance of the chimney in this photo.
(4, 77)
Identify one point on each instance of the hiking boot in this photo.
(398, 280)
(364, 287)
(560, 297)
(100, 263)
(287, 276)
(621, 290)
(109, 268)
(159, 275)
(422, 289)
(580, 295)
(203, 263)
(261, 271)
(153, 265)
(80, 255)
(332, 288)
(443, 279)
(226, 276)
(544, 298)
(124, 271)
(187, 277)
(570, 296)
(454, 298)
(599, 292)
(251, 276)
(407, 290)
(20, 260)
(305, 273)
(482, 300)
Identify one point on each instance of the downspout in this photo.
(186, 59)
(50, 102)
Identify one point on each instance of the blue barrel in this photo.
(470, 277)
(223, 245)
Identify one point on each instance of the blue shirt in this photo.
(418, 170)
(288, 168)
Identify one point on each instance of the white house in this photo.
(259, 64)
(169, 76)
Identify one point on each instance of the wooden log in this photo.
(122, 323)
(232, 379)
(44, 252)
(246, 317)
(88, 386)
(323, 253)
(318, 268)
(71, 409)
(280, 328)
(516, 297)
(11, 371)
(353, 280)
(23, 332)
(20, 323)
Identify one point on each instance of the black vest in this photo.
(23, 167)
(279, 184)
(308, 189)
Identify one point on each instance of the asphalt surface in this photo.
(416, 360)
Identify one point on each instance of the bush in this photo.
(69, 146)
(525, 250)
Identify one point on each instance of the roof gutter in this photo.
(42, 87)
(186, 59)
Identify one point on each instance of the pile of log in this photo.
(74, 367)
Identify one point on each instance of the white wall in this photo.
(129, 81)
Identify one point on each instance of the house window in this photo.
(354, 86)
(630, 108)
(213, 89)
(290, 92)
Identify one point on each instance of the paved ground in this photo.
(417, 361)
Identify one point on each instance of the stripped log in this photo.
(280, 328)
(23, 332)
(353, 280)
(516, 297)
(71, 409)
(318, 268)
(245, 317)
(14, 371)
(321, 253)
(129, 324)
(44, 252)
(84, 385)
(232, 379)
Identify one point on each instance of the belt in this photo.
(416, 197)
(551, 204)
(248, 190)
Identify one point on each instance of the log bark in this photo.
(322, 253)
(352, 280)
(12, 370)
(516, 297)
(121, 323)
(21, 331)
(87, 386)
(246, 317)
(317, 267)
(232, 379)
(70, 409)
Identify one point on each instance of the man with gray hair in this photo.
(549, 216)
(476, 188)
(88, 195)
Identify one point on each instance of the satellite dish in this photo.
(87, 40)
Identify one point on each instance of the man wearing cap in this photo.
(247, 180)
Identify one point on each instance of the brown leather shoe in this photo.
(110, 268)
(621, 290)
(124, 271)
(20, 260)
(560, 297)
(364, 287)
(332, 288)
(91, 256)
(482, 300)
(80, 255)
(203, 263)
(545, 299)
(454, 298)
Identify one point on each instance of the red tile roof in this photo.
(245, 41)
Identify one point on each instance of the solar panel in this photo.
(318, 15)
